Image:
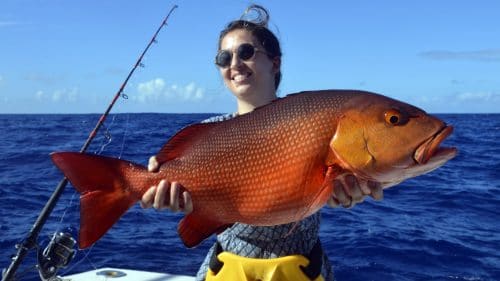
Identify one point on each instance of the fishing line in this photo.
(124, 136)
(67, 207)
(107, 137)
(84, 258)
(125, 130)
(25, 272)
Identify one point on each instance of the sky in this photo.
(60, 56)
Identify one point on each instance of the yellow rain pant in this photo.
(251, 269)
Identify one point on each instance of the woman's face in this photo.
(252, 78)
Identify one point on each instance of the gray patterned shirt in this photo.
(268, 241)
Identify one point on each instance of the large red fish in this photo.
(272, 166)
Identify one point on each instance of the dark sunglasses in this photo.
(244, 52)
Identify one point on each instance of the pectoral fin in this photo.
(194, 228)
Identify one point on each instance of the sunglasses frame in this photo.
(237, 51)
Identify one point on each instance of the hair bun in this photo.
(256, 14)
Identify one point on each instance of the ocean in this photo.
(444, 225)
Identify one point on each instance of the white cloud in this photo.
(485, 55)
(39, 95)
(427, 99)
(61, 95)
(478, 97)
(156, 90)
(191, 92)
(151, 87)
(72, 95)
(56, 96)
(459, 102)
(150, 90)
(461, 98)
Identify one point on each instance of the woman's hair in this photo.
(254, 20)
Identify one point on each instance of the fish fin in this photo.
(325, 192)
(105, 186)
(193, 229)
(320, 198)
(182, 140)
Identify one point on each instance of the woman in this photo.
(249, 61)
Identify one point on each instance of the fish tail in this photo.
(106, 190)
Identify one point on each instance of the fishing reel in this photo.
(58, 254)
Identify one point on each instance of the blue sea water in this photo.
(441, 226)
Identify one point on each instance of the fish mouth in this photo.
(431, 147)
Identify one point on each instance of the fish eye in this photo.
(395, 118)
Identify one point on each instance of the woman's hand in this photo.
(349, 190)
(166, 195)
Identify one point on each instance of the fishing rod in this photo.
(62, 243)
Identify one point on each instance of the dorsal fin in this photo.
(182, 140)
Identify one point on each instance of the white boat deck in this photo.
(119, 274)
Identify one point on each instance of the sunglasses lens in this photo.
(223, 58)
(246, 51)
